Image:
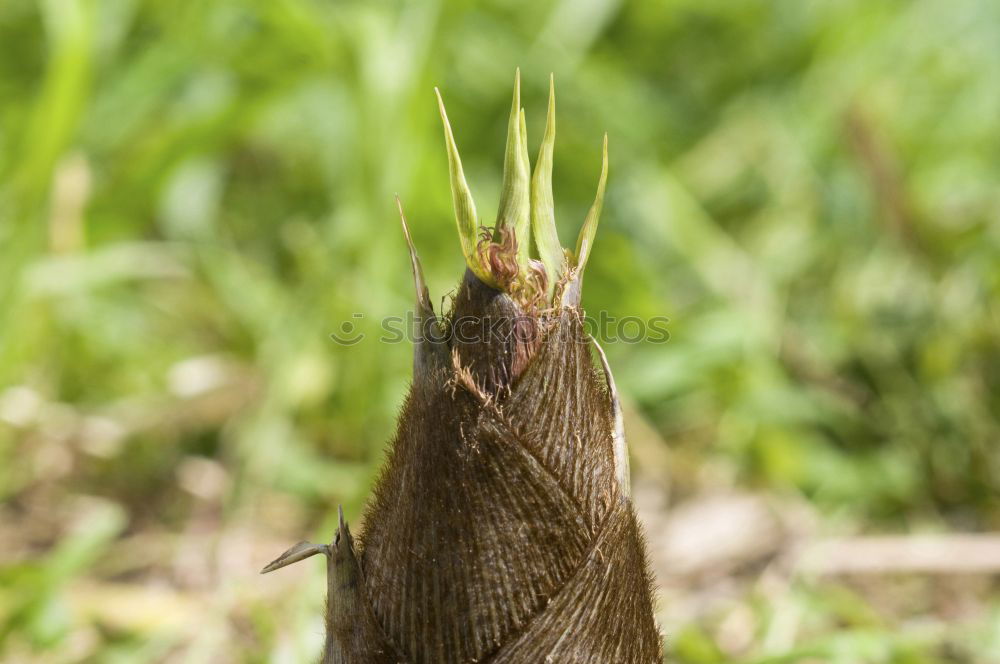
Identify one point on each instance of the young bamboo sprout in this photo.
(500, 530)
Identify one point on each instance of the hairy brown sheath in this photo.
(500, 530)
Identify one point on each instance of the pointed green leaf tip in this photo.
(526, 208)
(465, 207)
(586, 239)
(514, 212)
(543, 216)
(525, 163)
(419, 283)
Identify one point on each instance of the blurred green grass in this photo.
(194, 195)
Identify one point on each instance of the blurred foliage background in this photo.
(194, 195)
